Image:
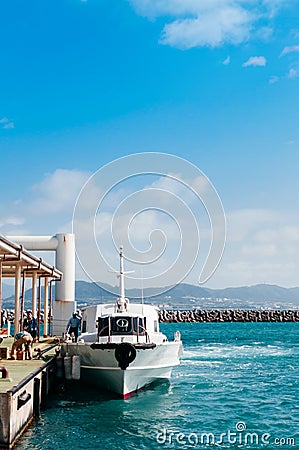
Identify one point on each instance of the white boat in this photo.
(121, 348)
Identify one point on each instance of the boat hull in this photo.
(100, 368)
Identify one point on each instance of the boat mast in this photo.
(122, 300)
(142, 292)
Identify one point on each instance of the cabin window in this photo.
(121, 325)
(138, 326)
(103, 326)
(156, 326)
(84, 326)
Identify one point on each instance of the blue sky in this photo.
(215, 82)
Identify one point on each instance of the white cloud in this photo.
(273, 6)
(278, 234)
(226, 62)
(292, 73)
(274, 79)
(9, 126)
(157, 218)
(46, 208)
(291, 49)
(264, 33)
(11, 221)
(58, 191)
(262, 246)
(6, 123)
(256, 61)
(195, 23)
(210, 28)
(242, 223)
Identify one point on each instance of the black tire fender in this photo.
(125, 353)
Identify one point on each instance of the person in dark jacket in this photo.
(30, 325)
(73, 326)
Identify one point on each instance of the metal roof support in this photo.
(17, 298)
(50, 332)
(33, 286)
(22, 298)
(46, 305)
(1, 295)
(38, 308)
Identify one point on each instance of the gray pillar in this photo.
(46, 306)
(17, 298)
(1, 300)
(34, 280)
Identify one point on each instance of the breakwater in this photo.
(229, 315)
(211, 315)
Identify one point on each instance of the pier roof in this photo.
(12, 254)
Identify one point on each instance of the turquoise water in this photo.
(237, 387)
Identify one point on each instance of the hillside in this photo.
(258, 292)
(189, 296)
(7, 290)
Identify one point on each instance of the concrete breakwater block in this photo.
(229, 315)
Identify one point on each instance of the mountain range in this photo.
(183, 296)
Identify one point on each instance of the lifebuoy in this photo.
(125, 353)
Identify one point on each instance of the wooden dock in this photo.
(24, 387)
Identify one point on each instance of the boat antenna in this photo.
(121, 276)
(142, 291)
(122, 301)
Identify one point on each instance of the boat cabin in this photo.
(138, 323)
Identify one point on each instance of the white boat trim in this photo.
(129, 369)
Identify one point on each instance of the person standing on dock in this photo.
(73, 325)
(30, 324)
(23, 337)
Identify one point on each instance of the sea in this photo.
(236, 388)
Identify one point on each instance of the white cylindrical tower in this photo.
(64, 304)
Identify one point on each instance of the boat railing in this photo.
(103, 329)
(147, 338)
